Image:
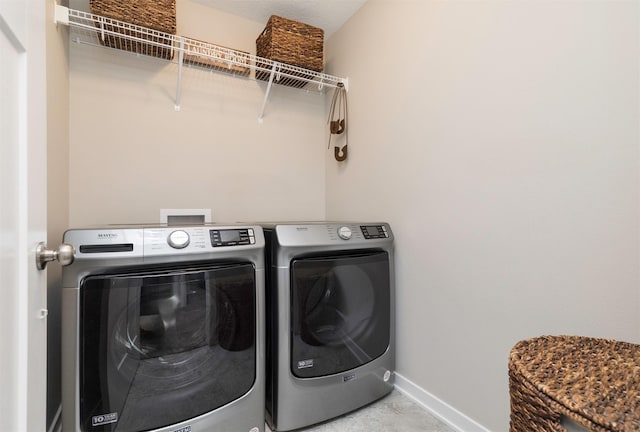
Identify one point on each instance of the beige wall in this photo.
(132, 154)
(500, 140)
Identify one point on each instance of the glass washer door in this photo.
(161, 347)
(340, 312)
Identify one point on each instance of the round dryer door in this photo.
(330, 316)
(340, 316)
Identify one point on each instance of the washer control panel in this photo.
(374, 231)
(232, 237)
(153, 241)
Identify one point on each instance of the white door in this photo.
(23, 300)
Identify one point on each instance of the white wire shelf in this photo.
(91, 29)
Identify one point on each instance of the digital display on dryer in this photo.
(229, 236)
(374, 231)
(232, 237)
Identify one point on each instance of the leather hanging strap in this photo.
(338, 120)
(337, 150)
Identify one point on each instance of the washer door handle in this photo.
(64, 255)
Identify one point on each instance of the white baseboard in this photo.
(440, 409)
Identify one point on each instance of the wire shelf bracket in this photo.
(91, 29)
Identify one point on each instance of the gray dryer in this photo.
(330, 319)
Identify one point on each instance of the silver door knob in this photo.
(64, 255)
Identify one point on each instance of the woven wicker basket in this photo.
(291, 42)
(594, 382)
(199, 54)
(158, 15)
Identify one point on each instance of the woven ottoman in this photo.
(594, 382)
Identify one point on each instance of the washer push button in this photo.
(178, 239)
(344, 232)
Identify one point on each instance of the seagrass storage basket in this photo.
(291, 42)
(593, 382)
(159, 16)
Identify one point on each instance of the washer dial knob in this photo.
(344, 233)
(178, 239)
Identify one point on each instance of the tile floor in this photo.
(394, 413)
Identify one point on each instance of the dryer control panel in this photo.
(374, 231)
(335, 234)
(232, 237)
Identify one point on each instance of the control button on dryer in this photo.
(344, 233)
(178, 239)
